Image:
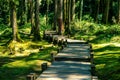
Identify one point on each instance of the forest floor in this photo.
(28, 57)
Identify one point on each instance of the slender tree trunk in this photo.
(97, 11)
(55, 14)
(37, 22)
(80, 10)
(64, 10)
(69, 16)
(11, 13)
(22, 12)
(106, 11)
(14, 20)
(27, 10)
(118, 11)
(60, 17)
(47, 11)
(66, 5)
(67, 12)
(32, 16)
(73, 10)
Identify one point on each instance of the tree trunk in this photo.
(73, 10)
(60, 17)
(32, 16)
(14, 20)
(80, 10)
(69, 16)
(37, 22)
(118, 11)
(64, 10)
(47, 11)
(55, 14)
(97, 10)
(106, 11)
(22, 14)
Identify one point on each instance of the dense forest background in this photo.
(23, 22)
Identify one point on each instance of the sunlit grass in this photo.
(107, 57)
(18, 65)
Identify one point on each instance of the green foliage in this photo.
(85, 27)
(5, 32)
(109, 30)
(88, 18)
(4, 11)
(43, 25)
(97, 33)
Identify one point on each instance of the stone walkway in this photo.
(72, 63)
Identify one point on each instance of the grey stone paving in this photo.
(70, 70)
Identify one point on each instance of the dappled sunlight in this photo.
(107, 58)
(100, 66)
(19, 63)
(28, 58)
(97, 46)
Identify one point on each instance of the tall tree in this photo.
(80, 10)
(97, 10)
(55, 14)
(60, 17)
(69, 16)
(72, 10)
(22, 12)
(64, 10)
(32, 16)
(106, 11)
(14, 20)
(47, 11)
(37, 22)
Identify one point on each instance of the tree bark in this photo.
(37, 22)
(106, 11)
(32, 16)
(80, 10)
(73, 10)
(14, 20)
(47, 11)
(97, 11)
(69, 16)
(60, 17)
(55, 15)
(22, 14)
(64, 10)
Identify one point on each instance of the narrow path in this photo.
(72, 63)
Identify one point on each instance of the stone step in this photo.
(73, 78)
(74, 50)
(71, 41)
(65, 76)
(69, 66)
(84, 46)
(72, 59)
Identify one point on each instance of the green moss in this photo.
(17, 66)
(107, 61)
